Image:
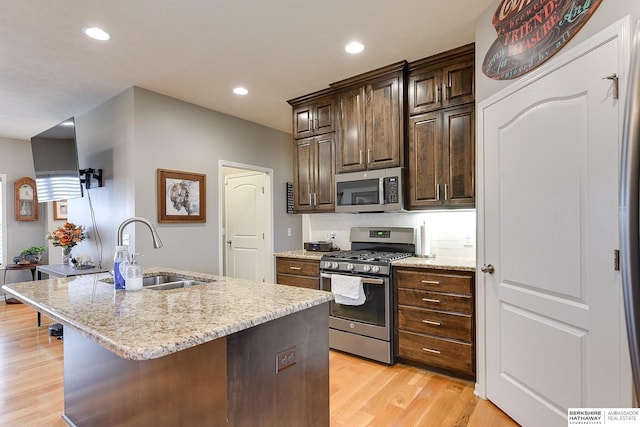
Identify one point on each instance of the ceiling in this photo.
(199, 50)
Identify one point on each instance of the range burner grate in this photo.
(367, 256)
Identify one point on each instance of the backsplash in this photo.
(453, 233)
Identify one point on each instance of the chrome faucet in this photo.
(157, 243)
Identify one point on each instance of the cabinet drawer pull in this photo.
(430, 300)
(431, 350)
(430, 282)
(295, 268)
(431, 322)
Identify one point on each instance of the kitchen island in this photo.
(230, 352)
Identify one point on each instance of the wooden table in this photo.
(18, 267)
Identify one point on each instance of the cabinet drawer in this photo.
(438, 352)
(298, 267)
(456, 326)
(300, 281)
(435, 300)
(457, 284)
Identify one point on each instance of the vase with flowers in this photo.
(67, 236)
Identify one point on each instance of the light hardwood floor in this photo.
(363, 393)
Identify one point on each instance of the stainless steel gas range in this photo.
(365, 327)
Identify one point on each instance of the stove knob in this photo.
(366, 267)
(350, 266)
(375, 269)
(334, 265)
(327, 264)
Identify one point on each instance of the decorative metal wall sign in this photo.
(532, 31)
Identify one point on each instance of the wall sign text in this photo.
(532, 31)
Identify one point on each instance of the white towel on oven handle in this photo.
(347, 290)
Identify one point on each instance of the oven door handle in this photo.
(366, 280)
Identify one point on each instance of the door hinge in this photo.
(616, 259)
(614, 79)
(262, 190)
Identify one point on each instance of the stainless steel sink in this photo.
(160, 279)
(163, 282)
(174, 285)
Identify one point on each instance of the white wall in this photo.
(137, 132)
(453, 233)
(105, 137)
(16, 162)
(608, 12)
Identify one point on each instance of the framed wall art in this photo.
(181, 197)
(60, 210)
(26, 199)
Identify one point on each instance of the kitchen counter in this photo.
(301, 254)
(439, 262)
(230, 348)
(179, 319)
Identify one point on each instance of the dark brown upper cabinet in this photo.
(442, 81)
(441, 170)
(313, 171)
(313, 114)
(370, 120)
(441, 131)
(314, 151)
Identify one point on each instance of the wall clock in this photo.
(26, 199)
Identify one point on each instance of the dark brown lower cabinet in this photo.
(435, 318)
(303, 273)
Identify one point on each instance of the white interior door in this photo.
(554, 331)
(246, 225)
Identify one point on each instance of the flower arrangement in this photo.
(67, 236)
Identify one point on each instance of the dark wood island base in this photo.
(231, 381)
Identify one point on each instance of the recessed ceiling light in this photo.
(96, 33)
(354, 47)
(69, 123)
(240, 91)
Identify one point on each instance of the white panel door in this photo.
(554, 336)
(246, 221)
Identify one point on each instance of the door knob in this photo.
(229, 241)
(488, 268)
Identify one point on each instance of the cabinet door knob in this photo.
(488, 268)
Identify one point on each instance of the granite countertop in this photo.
(149, 324)
(301, 254)
(439, 262)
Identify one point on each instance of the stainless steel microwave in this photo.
(379, 190)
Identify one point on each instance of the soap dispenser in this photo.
(133, 274)
(120, 261)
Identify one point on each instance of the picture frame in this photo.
(182, 196)
(25, 199)
(60, 210)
